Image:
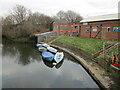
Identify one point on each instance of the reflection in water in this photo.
(23, 67)
(50, 63)
(59, 64)
(24, 53)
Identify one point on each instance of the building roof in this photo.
(63, 22)
(102, 18)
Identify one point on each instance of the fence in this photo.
(42, 36)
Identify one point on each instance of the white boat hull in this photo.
(45, 45)
(51, 49)
(58, 57)
(38, 45)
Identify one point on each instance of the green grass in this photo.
(90, 45)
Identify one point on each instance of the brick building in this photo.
(60, 27)
(104, 26)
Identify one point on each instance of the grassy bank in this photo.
(90, 45)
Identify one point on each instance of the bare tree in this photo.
(61, 15)
(22, 23)
(45, 20)
(34, 18)
(8, 20)
(19, 14)
(71, 16)
(42, 20)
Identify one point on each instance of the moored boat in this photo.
(51, 49)
(115, 62)
(42, 49)
(42, 45)
(45, 45)
(47, 55)
(116, 66)
(39, 45)
(58, 57)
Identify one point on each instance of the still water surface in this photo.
(23, 67)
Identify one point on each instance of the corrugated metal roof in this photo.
(102, 18)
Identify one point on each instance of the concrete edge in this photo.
(97, 73)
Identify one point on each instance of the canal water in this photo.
(23, 67)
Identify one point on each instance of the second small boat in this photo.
(45, 45)
(58, 57)
(42, 49)
(39, 45)
(47, 56)
(51, 49)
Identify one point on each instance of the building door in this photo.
(79, 31)
(103, 32)
(90, 31)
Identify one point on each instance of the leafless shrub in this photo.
(69, 16)
(21, 22)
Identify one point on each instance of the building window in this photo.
(116, 29)
(108, 29)
(74, 33)
(75, 26)
(85, 23)
(57, 27)
(87, 29)
(94, 29)
(61, 32)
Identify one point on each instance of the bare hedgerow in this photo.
(22, 23)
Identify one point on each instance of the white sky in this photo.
(50, 7)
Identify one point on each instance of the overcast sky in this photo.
(85, 8)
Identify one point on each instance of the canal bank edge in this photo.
(98, 74)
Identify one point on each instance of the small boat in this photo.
(115, 62)
(58, 57)
(42, 49)
(39, 45)
(42, 45)
(116, 66)
(45, 45)
(47, 56)
(51, 49)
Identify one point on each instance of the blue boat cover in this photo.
(47, 55)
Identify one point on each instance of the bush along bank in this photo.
(20, 24)
(77, 44)
(21, 39)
